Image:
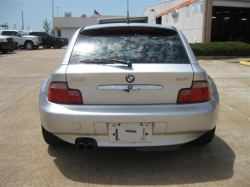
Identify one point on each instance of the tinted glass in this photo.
(7, 33)
(33, 34)
(22, 33)
(138, 45)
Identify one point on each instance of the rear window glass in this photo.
(138, 45)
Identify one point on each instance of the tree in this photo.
(46, 25)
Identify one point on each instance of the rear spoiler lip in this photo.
(112, 25)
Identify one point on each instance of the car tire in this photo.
(29, 45)
(5, 52)
(21, 47)
(57, 45)
(51, 139)
(205, 138)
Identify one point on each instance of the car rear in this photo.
(7, 44)
(165, 98)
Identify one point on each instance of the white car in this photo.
(128, 85)
(23, 40)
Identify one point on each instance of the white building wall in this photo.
(68, 32)
(190, 23)
(69, 25)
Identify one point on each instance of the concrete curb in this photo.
(245, 63)
(219, 57)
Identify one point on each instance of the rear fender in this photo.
(57, 76)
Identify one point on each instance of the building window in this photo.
(158, 20)
(187, 11)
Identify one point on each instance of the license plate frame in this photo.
(130, 132)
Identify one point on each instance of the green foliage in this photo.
(221, 49)
(46, 25)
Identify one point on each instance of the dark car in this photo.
(7, 44)
(49, 40)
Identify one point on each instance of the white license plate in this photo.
(130, 132)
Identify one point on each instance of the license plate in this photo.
(130, 132)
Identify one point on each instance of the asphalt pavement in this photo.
(26, 160)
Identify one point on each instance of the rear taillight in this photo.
(60, 93)
(199, 92)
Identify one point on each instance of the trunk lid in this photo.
(107, 84)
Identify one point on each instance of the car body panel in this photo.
(172, 78)
(195, 120)
(6, 44)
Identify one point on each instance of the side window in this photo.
(43, 34)
(7, 33)
(14, 33)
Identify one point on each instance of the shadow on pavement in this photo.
(128, 166)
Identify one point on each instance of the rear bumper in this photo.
(37, 43)
(7, 46)
(184, 123)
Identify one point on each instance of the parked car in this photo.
(50, 40)
(23, 40)
(7, 44)
(128, 85)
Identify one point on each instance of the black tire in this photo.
(205, 138)
(5, 52)
(29, 45)
(21, 47)
(57, 45)
(51, 139)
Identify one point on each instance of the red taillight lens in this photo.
(60, 93)
(199, 92)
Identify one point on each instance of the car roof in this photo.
(9, 30)
(112, 25)
(36, 31)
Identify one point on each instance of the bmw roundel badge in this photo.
(130, 78)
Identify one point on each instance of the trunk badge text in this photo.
(130, 78)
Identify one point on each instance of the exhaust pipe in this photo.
(81, 145)
(91, 146)
(86, 143)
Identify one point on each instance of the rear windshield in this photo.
(137, 45)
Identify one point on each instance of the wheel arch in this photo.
(28, 41)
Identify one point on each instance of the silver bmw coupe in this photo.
(128, 85)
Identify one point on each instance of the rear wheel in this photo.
(51, 139)
(205, 138)
(57, 45)
(29, 45)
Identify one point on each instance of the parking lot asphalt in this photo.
(26, 160)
